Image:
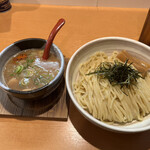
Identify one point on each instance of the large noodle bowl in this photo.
(107, 102)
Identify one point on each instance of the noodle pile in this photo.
(109, 103)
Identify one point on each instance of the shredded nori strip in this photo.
(118, 73)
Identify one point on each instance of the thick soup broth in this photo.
(27, 71)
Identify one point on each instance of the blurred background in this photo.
(94, 3)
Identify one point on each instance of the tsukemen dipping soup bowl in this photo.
(25, 44)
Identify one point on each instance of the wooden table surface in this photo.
(82, 25)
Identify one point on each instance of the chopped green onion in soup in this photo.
(29, 71)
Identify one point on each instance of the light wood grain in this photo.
(82, 25)
(52, 107)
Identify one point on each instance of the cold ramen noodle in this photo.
(27, 71)
(112, 90)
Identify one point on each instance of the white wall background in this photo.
(94, 3)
